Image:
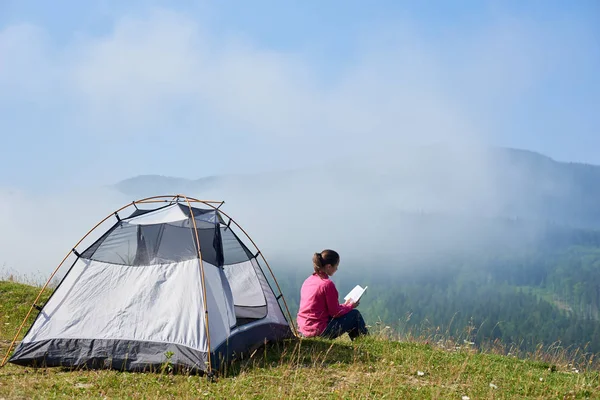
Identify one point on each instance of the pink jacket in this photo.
(318, 304)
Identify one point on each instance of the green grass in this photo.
(15, 302)
(375, 367)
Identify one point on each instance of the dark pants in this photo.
(351, 323)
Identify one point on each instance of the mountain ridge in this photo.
(506, 150)
(497, 181)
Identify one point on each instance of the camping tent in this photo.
(171, 283)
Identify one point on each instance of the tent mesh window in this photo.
(242, 274)
(140, 245)
(132, 243)
(234, 251)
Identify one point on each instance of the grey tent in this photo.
(168, 283)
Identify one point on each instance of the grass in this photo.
(376, 367)
(15, 301)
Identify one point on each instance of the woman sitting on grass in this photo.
(320, 313)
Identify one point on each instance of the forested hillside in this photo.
(542, 295)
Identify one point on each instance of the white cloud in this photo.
(136, 72)
(147, 69)
(26, 67)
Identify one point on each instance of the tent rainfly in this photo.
(170, 283)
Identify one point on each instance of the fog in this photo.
(302, 162)
(433, 201)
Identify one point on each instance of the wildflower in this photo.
(466, 398)
(420, 373)
(493, 386)
(541, 379)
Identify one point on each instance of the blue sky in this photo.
(99, 91)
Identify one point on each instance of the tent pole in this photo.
(155, 199)
(202, 280)
(50, 279)
(264, 259)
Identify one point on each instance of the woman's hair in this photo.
(320, 260)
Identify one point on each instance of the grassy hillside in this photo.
(375, 367)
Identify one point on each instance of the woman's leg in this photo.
(351, 323)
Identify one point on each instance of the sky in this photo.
(95, 92)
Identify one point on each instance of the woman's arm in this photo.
(334, 308)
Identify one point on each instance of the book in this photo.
(356, 293)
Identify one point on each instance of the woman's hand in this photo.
(351, 302)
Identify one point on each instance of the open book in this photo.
(356, 293)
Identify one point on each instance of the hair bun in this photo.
(324, 258)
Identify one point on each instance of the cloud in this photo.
(26, 63)
(138, 71)
(146, 70)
